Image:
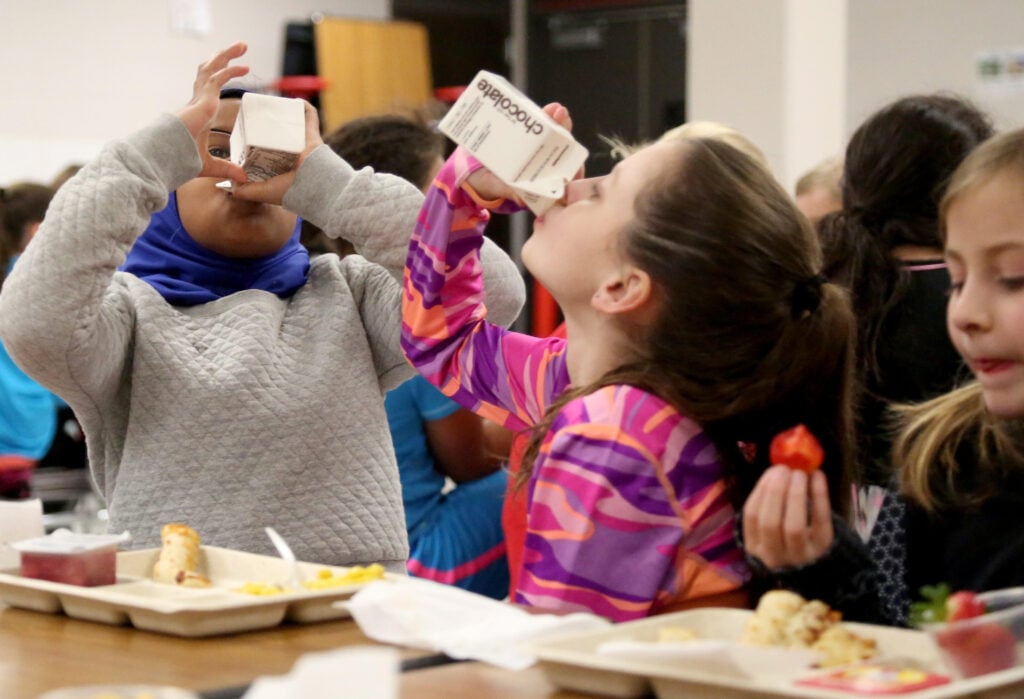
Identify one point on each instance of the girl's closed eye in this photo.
(1012, 283)
(954, 287)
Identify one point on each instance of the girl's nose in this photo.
(578, 189)
(968, 310)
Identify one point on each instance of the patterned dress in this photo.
(629, 513)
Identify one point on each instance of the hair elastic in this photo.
(807, 295)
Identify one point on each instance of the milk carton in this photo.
(268, 136)
(515, 140)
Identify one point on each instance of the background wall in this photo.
(799, 76)
(923, 45)
(79, 72)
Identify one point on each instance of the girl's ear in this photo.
(627, 290)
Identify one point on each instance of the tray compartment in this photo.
(138, 600)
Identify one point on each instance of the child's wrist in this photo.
(479, 200)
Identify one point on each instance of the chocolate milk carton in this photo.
(268, 136)
(515, 140)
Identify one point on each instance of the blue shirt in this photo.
(28, 412)
(409, 406)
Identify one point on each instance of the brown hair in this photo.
(21, 205)
(749, 341)
(895, 169)
(391, 143)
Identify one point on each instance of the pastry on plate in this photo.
(179, 557)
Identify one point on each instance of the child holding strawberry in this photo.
(960, 457)
(962, 454)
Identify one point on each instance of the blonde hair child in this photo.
(981, 216)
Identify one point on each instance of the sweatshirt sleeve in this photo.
(62, 317)
(508, 378)
(377, 214)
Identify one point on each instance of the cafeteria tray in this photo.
(137, 600)
(572, 662)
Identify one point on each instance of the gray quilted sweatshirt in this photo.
(247, 411)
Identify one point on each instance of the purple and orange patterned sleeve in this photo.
(628, 508)
(504, 376)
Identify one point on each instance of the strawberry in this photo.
(798, 449)
(963, 605)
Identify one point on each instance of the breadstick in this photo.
(179, 557)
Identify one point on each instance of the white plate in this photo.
(193, 612)
(121, 691)
(574, 663)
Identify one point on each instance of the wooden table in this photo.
(39, 652)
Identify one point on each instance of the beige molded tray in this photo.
(193, 612)
(572, 662)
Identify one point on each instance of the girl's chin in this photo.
(1005, 409)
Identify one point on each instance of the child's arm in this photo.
(377, 213)
(61, 317)
(506, 377)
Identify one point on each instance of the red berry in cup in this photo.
(979, 649)
(963, 605)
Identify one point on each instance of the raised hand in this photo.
(211, 76)
(787, 520)
(488, 186)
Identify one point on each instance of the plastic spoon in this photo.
(294, 580)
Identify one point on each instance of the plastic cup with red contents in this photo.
(987, 643)
(86, 560)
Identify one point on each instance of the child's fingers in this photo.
(559, 113)
(795, 524)
(313, 137)
(751, 522)
(221, 59)
(223, 169)
(763, 516)
(216, 71)
(210, 78)
(270, 191)
(821, 513)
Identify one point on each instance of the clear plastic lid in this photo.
(66, 541)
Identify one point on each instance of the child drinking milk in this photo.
(696, 321)
(222, 379)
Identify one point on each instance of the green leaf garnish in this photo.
(932, 609)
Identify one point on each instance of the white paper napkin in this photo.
(19, 520)
(365, 672)
(423, 614)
